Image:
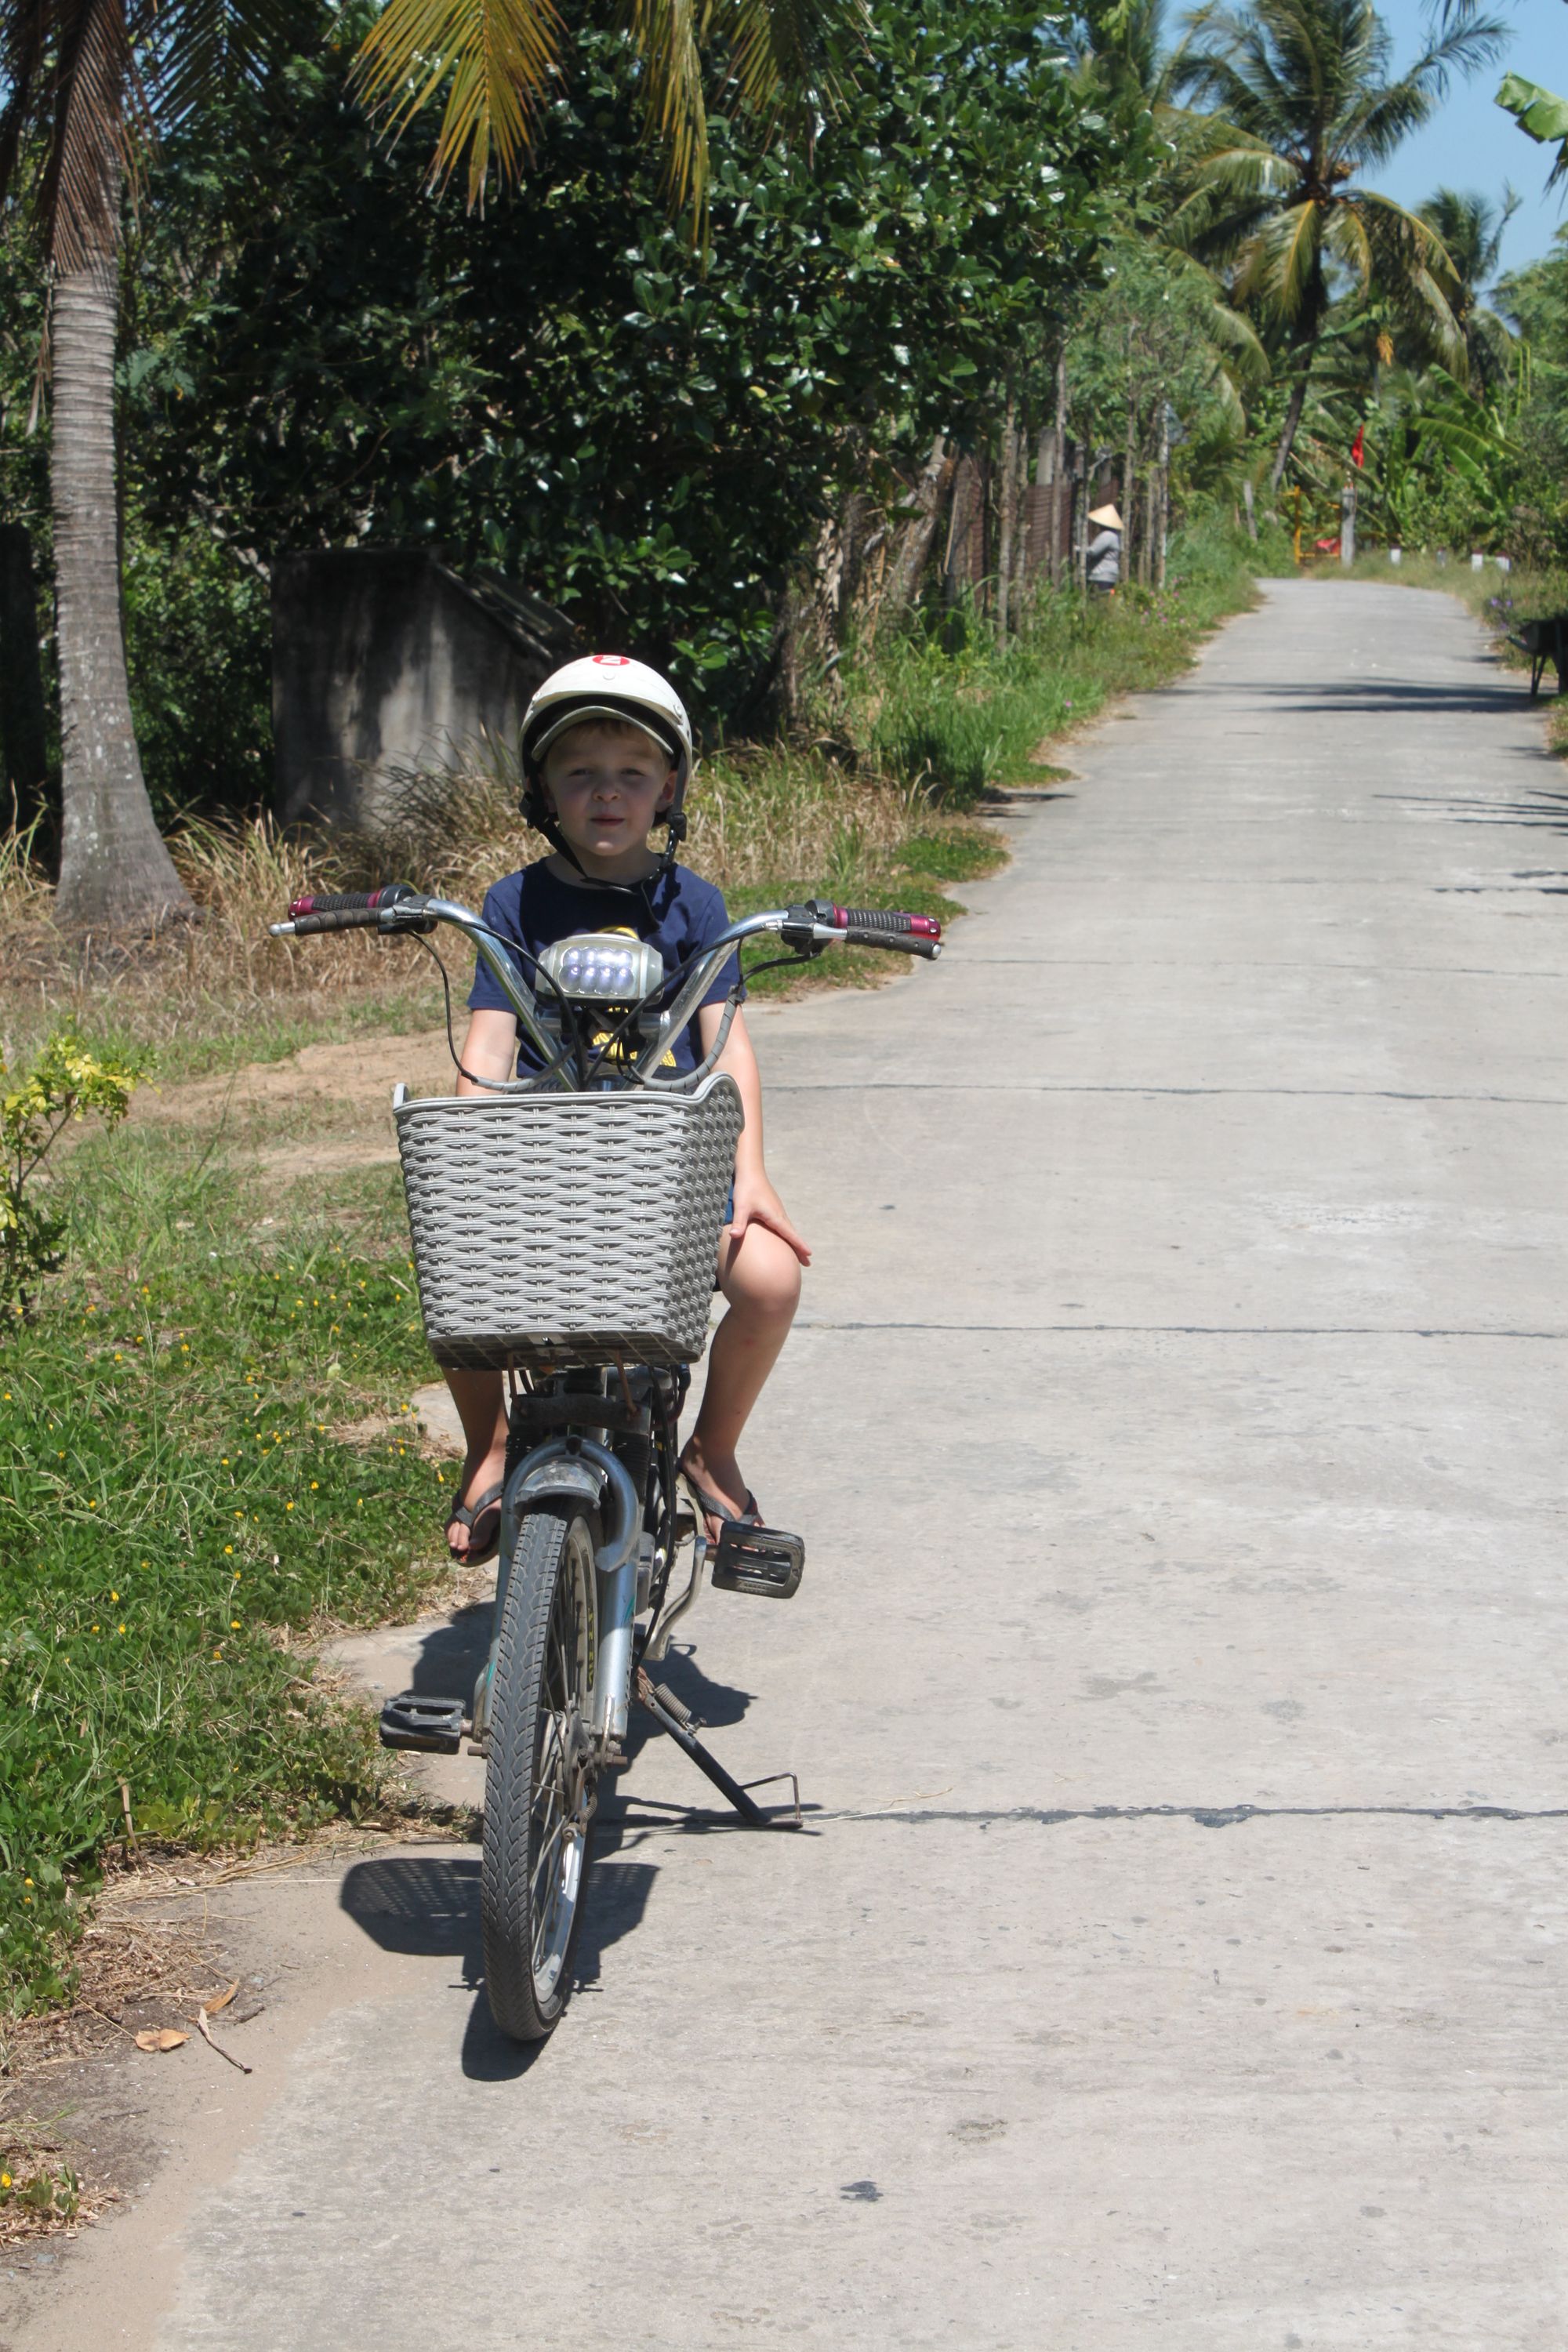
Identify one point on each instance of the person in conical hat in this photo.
(1103, 553)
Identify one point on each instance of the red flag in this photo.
(1358, 445)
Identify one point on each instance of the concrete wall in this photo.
(384, 659)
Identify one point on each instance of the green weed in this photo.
(179, 1501)
(947, 711)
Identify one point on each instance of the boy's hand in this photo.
(756, 1203)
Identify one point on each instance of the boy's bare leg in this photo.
(480, 1399)
(760, 1277)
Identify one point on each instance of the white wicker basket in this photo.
(568, 1229)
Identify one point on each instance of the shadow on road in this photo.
(451, 1654)
(428, 1907)
(1411, 697)
(1545, 810)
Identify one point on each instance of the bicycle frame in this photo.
(579, 1464)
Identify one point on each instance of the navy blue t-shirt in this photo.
(676, 911)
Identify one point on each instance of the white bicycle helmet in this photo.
(605, 685)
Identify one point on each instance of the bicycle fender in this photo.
(579, 1479)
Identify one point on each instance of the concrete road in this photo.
(1174, 1954)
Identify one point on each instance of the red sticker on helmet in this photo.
(612, 661)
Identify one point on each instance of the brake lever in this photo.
(802, 930)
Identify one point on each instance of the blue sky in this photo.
(1471, 142)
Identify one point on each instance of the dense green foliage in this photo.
(318, 353)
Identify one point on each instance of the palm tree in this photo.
(1471, 228)
(496, 61)
(1303, 102)
(85, 85)
(66, 70)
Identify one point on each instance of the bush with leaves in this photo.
(66, 1083)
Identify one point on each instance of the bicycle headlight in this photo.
(603, 968)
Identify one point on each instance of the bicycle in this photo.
(565, 1227)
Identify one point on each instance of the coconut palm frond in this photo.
(24, 51)
(190, 52)
(1346, 238)
(1238, 352)
(1416, 277)
(666, 34)
(1284, 260)
(780, 50)
(495, 60)
(90, 154)
(1468, 41)
(1471, 229)
(1231, 166)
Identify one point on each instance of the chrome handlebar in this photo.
(396, 909)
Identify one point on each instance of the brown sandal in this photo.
(484, 1547)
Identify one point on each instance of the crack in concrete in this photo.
(1050, 1086)
(1207, 1817)
(1207, 1330)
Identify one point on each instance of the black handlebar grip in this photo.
(858, 934)
(340, 918)
(876, 918)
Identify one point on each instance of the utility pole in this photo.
(1163, 514)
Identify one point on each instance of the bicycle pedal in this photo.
(763, 1560)
(434, 1726)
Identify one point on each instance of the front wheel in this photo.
(540, 1780)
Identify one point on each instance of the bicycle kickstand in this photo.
(672, 1716)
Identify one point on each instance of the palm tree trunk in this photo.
(1009, 503)
(1292, 418)
(115, 872)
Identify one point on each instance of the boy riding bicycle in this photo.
(606, 754)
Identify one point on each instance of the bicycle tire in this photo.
(538, 1781)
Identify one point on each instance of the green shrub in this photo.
(66, 1083)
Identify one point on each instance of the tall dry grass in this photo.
(761, 822)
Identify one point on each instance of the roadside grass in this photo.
(183, 1499)
(946, 711)
(768, 826)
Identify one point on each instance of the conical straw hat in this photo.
(1107, 515)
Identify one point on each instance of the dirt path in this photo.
(323, 1108)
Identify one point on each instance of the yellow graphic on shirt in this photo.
(620, 1052)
